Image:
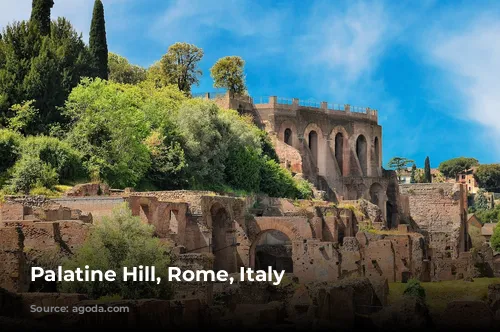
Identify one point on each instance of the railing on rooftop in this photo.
(335, 107)
(295, 101)
(284, 101)
(309, 103)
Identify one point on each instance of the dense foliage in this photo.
(488, 177)
(450, 168)
(121, 71)
(118, 241)
(40, 68)
(66, 123)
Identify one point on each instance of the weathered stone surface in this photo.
(380, 286)
(408, 313)
(467, 315)
(88, 189)
(13, 274)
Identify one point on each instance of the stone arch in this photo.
(272, 248)
(221, 245)
(316, 144)
(288, 228)
(288, 126)
(362, 153)
(339, 145)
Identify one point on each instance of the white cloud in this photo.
(196, 20)
(470, 58)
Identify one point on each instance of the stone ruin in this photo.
(321, 246)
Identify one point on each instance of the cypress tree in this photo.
(428, 177)
(40, 15)
(97, 44)
(413, 171)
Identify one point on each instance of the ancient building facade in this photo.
(336, 147)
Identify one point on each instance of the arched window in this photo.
(288, 136)
(377, 153)
(361, 152)
(313, 145)
(339, 151)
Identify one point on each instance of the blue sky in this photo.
(431, 68)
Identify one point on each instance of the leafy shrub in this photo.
(276, 181)
(243, 169)
(121, 240)
(10, 142)
(30, 172)
(58, 154)
(305, 188)
(413, 288)
(206, 139)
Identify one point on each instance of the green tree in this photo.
(40, 68)
(98, 45)
(413, 173)
(168, 161)
(427, 170)
(480, 200)
(58, 154)
(495, 238)
(40, 15)
(121, 71)
(31, 172)
(228, 73)
(488, 177)
(179, 66)
(121, 240)
(207, 141)
(450, 168)
(108, 129)
(399, 164)
(24, 116)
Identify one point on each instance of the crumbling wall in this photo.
(439, 210)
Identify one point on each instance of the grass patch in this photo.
(439, 294)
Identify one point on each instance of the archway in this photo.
(288, 136)
(272, 248)
(390, 212)
(313, 145)
(222, 247)
(376, 150)
(361, 153)
(339, 151)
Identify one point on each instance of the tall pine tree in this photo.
(40, 15)
(427, 169)
(97, 44)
